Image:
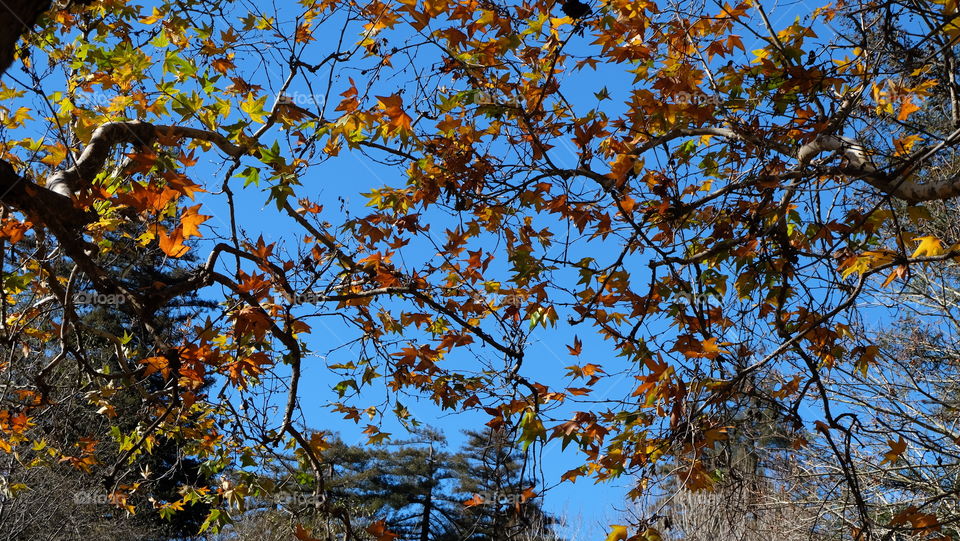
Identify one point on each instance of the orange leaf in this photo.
(393, 107)
(379, 529)
(906, 107)
(190, 220)
(303, 534)
(157, 364)
(897, 448)
(474, 501)
(223, 65)
(172, 244)
(899, 272)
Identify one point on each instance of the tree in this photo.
(39, 482)
(696, 196)
(500, 497)
(415, 488)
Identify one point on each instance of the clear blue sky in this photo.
(587, 508)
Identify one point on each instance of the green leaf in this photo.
(250, 175)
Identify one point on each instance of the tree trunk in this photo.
(16, 18)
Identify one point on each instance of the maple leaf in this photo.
(155, 365)
(190, 221)
(617, 533)
(897, 448)
(318, 442)
(898, 272)
(925, 522)
(393, 107)
(250, 320)
(13, 230)
(303, 534)
(906, 108)
(180, 183)
(240, 370)
(379, 530)
(172, 244)
(474, 501)
(223, 65)
(928, 246)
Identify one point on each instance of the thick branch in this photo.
(899, 183)
(95, 155)
(16, 18)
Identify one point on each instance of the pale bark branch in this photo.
(104, 138)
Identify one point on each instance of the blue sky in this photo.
(587, 507)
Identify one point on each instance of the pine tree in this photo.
(70, 499)
(501, 503)
(410, 482)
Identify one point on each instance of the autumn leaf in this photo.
(180, 183)
(223, 65)
(155, 365)
(923, 522)
(474, 501)
(589, 171)
(250, 320)
(928, 246)
(899, 272)
(379, 530)
(617, 533)
(907, 107)
(240, 370)
(172, 244)
(897, 448)
(303, 534)
(190, 220)
(393, 107)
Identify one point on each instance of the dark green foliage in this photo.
(63, 502)
(422, 491)
(504, 504)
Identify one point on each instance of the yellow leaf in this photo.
(903, 145)
(865, 261)
(929, 246)
(617, 533)
(154, 17)
(254, 108)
